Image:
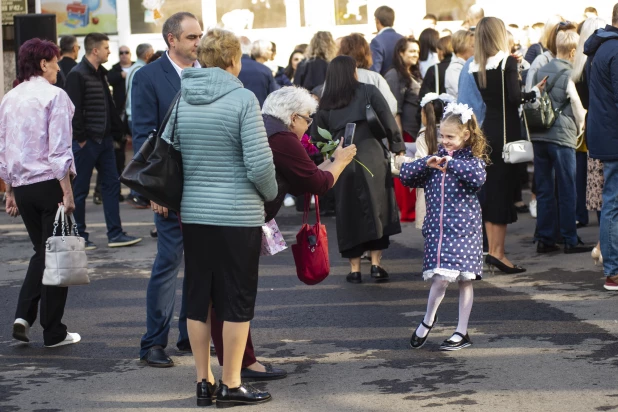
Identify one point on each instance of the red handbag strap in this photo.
(308, 206)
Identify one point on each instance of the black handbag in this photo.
(375, 125)
(155, 172)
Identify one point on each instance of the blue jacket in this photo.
(227, 163)
(257, 77)
(383, 49)
(469, 92)
(153, 88)
(602, 73)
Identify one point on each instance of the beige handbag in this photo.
(520, 151)
(66, 263)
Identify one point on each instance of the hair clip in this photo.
(464, 112)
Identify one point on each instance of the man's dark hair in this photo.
(93, 40)
(385, 15)
(615, 15)
(431, 17)
(67, 43)
(172, 25)
(142, 49)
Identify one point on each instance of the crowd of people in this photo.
(433, 116)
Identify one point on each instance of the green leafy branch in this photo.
(329, 146)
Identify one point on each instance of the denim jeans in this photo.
(555, 163)
(99, 155)
(609, 218)
(581, 176)
(161, 293)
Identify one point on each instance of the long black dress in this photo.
(498, 194)
(367, 212)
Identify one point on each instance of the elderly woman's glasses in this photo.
(309, 120)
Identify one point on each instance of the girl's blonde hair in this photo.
(477, 140)
(588, 27)
(322, 46)
(218, 48)
(489, 38)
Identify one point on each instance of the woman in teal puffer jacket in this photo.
(228, 174)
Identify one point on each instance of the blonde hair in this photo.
(218, 48)
(322, 46)
(477, 141)
(489, 39)
(461, 40)
(566, 41)
(549, 29)
(588, 27)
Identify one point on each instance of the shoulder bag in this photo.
(66, 263)
(543, 116)
(155, 171)
(519, 151)
(311, 248)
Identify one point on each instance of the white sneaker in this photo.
(71, 338)
(289, 201)
(21, 330)
(532, 207)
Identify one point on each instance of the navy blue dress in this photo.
(452, 227)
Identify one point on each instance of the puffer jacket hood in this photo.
(599, 37)
(204, 86)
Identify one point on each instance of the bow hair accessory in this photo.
(430, 97)
(462, 110)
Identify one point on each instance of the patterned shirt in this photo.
(35, 133)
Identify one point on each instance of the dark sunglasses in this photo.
(562, 24)
(124, 52)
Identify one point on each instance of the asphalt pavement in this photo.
(544, 340)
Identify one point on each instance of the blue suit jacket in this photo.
(153, 88)
(383, 49)
(258, 78)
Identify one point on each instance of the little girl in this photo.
(432, 109)
(452, 228)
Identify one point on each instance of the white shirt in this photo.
(432, 59)
(177, 67)
(451, 77)
(369, 77)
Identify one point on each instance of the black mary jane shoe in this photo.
(417, 342)
(451, 345)
(354, 277)
(378, 273)
(271, 374)
(546, 248)
(157, 358)
(206, 393)
(493, 262)
(245, 394)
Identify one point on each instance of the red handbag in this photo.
(311, 248)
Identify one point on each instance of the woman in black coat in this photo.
(311, 72)
(367, 213)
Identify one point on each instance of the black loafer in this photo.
(354, 277)
(379, 273)
(417, 342)
(206, 393)
(451, 345)
(184, 347)
(271, 374)
(577, 249)
(157, 358)
(245, 394)
(545, 248)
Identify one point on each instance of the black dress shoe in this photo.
(184, 347)
(271, 374)
(577, 249)
(451, 345)
(245, 394)
(97, 199)
(206, 393)
(157, 358)
(154, 233)
(417, 342)
(545, 248)
(378, 273)
(354, 277)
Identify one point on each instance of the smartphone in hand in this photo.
(348, 135)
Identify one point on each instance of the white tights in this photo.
(436, 294)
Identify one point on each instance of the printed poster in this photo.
(80, 17)
(12, 7)
(148, 16)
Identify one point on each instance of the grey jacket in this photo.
(227, 162)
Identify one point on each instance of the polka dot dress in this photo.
(453, 227)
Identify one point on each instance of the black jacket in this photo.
(95, 114)
(119, 88)
(66, 65)
(429, 82)
(310, 73)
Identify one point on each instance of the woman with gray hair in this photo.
(287, 116)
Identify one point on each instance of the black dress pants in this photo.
(37, 205)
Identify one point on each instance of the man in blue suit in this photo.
(383, 45)
(153, 88)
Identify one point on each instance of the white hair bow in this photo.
(430, 97)
(462, 110)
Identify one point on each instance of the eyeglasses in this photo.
(124, 52)
(309, 120)
(562, 24)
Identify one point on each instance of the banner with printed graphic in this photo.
(148, 16)
(80, 17)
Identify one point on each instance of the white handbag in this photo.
(66, 263)
(520, 151)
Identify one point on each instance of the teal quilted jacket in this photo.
(227, 162)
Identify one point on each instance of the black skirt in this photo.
(221, 267)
